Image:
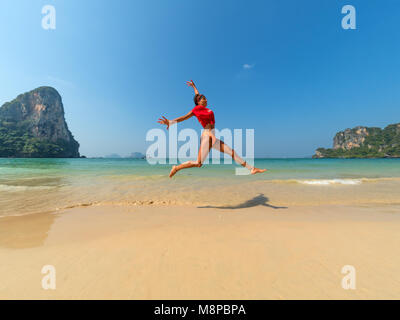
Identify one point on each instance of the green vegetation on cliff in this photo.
(16, 142)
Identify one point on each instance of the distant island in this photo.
(112, 156)
(136, 155)
(133, 155)
(364, 142)
(33, 126)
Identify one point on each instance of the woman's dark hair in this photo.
(197, 98)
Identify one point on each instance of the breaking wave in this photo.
(11, 188)
(328, 182)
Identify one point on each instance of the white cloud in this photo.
(247, 66)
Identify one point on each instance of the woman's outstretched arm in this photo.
(183, 118)
(170, 122)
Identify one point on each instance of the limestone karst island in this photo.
(364, 142)
(33, 126)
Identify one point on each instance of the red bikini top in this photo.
(204, 115)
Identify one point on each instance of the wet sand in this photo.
(245, 252)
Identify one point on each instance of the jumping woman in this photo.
(208, 139)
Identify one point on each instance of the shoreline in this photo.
(186, 252)
(41, 195)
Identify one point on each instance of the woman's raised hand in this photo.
(165, 121)
(191, 84)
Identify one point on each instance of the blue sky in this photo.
(119, 65)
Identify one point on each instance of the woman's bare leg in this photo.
(205, 147)
(222, 147)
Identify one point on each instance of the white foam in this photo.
(5, 187)
(328, 182)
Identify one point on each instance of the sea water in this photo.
(37, 185)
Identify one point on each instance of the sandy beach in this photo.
(255, 250)
(110, 188)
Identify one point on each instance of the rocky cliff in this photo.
(33, 125)
(364, 142)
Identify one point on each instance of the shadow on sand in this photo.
(259, 200)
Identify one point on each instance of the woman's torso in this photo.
(205, 116)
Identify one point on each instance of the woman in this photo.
(208, 139)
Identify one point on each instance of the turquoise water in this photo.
(12, 170)
(34, 185)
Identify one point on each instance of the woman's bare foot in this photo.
(256, 170)
(173, 171)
